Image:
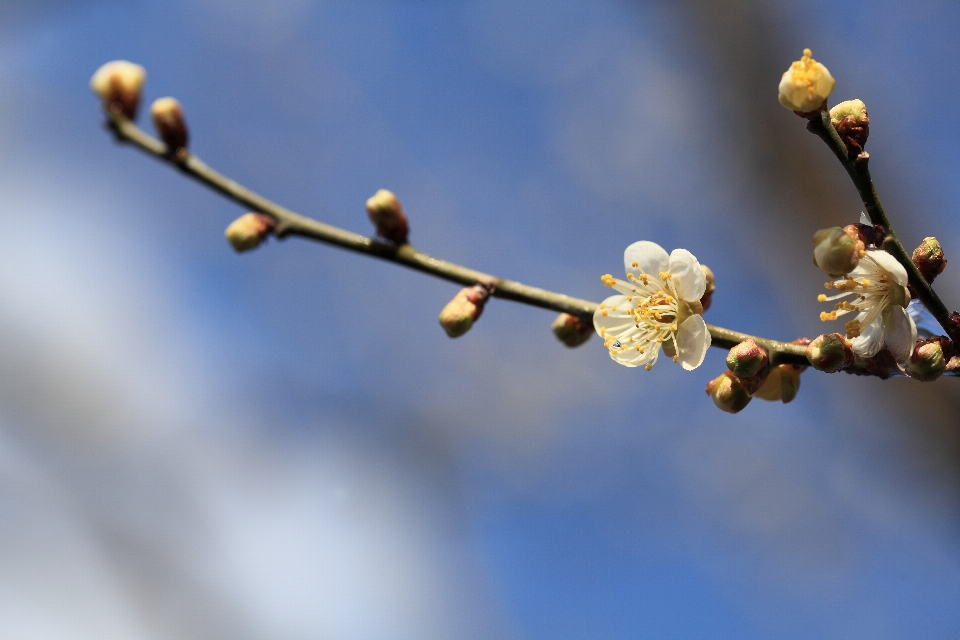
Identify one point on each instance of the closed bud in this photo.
(829, 353)
(711, 287)
(927, 362)
(782, 384)
(387, 216)
(728, 393)
(837, 251)
(805, 86)
(249, 231)
(747, 359)
(168, 121)
(928, 258)
(118, 84)
(852, 123)
(460, 313)
(571, 330)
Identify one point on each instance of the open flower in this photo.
(879, 297)
(659, 308)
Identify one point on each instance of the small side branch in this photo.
(859, 171)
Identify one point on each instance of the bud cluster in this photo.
(749, 374)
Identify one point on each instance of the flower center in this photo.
(873, 291)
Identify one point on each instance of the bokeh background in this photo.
(284, 444)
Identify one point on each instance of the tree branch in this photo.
(859, 172)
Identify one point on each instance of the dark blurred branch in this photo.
(859, 171)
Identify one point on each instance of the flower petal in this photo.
(614, 321)
(899, 333)
(649, 257)
(633, 358)
(868, 343)
(693, 340)
(687, 275)
(889, 264)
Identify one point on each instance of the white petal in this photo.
(633, 358)
(649, 257)
(889, 264)
(693, 339)
(868, 343)
(899, 333)
(687, 275)
(614, 321)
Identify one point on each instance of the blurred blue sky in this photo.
(284, 444)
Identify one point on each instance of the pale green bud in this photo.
(782, 384)
(571, 330)
(837, 251)
(249, 231)
(728, 393)
(387, 216)
(460, 313)
(927, 362)
(746, 359)
(829, 353)
(928, 258)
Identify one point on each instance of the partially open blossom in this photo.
(707, 298)
(878, 295)
(746, 359)
(728, 393)
(387, 216)
(460, 313)
(659, 307)
(829, 353)
(782, 384)
(837, 251)
(928, 258)
(571, 330)
(852, 123)
(118, 84)
(168, 120)
(805, 86)
(249, 231)
(927, 362)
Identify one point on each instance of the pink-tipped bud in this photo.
(249, 231)
(829, 353)
(118, 84)
(837, 251)
(168, 120)
(460, 313)
(927, 362)
(747, 359)
(387, 216)
(928, 258)
(711, 287)
(571, 330)
(852, 123)
(782, 384)
(728, 393)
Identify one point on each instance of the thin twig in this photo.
(290, 223)
(859, 172)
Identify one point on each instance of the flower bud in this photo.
(782, 384)
(927, 362)
(852, 123)
(118, 84)
(837, 251)
(249, 231)
(460, 313)
(728, 393)
(387, 216)
(928, 258)
(711, 287)
(805, 86)
(571, 330)
(168, 121)
(829, 353)
(746, 359)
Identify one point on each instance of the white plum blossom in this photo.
(659, 307)
(878, 286)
